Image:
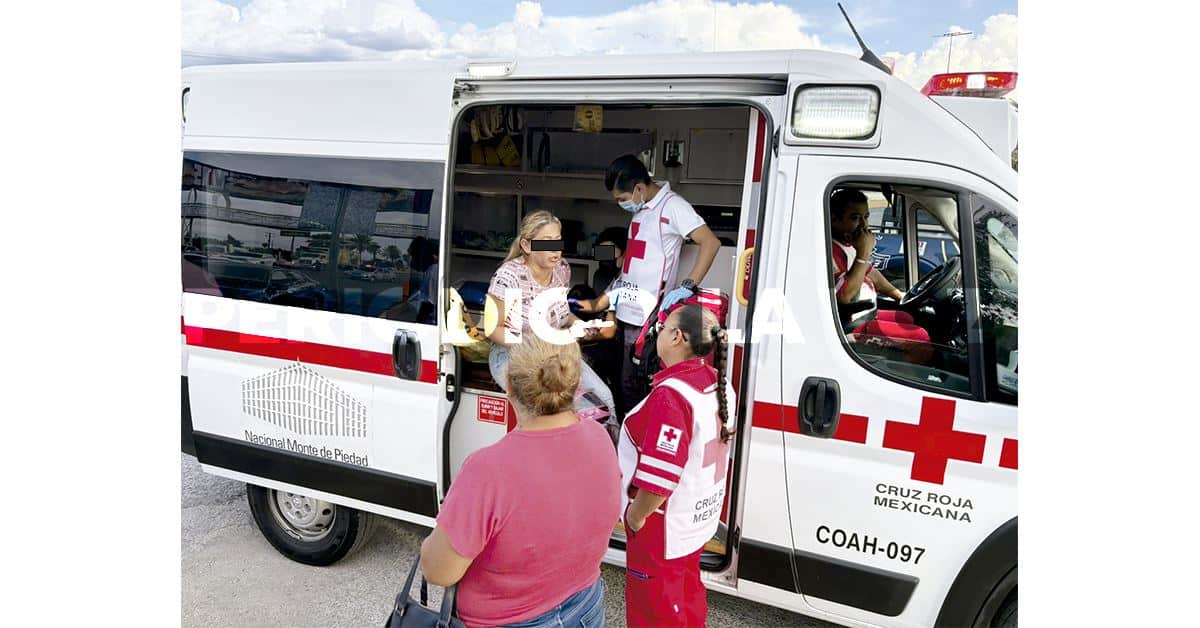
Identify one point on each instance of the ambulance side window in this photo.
(920, 339)
(390, 269)
(355, 236)
(996, 248)
(242, 220)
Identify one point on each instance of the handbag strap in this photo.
(447, 597)
(402, 596)
(447, 606)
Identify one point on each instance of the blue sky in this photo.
(240, 31)
(884, 24)
(889, 24)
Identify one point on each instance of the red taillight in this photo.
(982, 84)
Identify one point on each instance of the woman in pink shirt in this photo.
(527, 520)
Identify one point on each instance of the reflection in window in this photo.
(996, 242)
(254, 228)
(238, 228)
(391, 271)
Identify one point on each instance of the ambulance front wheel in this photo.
(1006, 617)
(308, 530)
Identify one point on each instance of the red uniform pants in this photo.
(900, 328)
(661, 592)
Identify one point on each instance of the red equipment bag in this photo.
(645, 351)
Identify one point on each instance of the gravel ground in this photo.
(231, 576)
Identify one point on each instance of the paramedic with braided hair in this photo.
(674, 452)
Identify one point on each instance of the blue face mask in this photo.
(632, 206)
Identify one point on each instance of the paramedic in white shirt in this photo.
(662, 219)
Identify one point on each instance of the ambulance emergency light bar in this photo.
(978, 84)
(836, 112)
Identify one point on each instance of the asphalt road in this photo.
(231, 576)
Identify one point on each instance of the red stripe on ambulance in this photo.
(1008, 454)
(759, 146)
(933, 441)
(298, 350)
(851, 427)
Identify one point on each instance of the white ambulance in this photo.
(869, 484)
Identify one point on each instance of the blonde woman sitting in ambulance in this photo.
(673, 451)
(856, 280)
(535, 266)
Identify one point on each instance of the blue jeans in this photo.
(589, 381)
(582, 610)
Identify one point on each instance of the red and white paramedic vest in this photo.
(656, 235)
(695, 489)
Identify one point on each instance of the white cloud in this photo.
(658, 26)
(296, 30)
(293, 30)
(372, 29)
(994, 49)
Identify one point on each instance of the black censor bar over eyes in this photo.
(604, 252)
(546, 245)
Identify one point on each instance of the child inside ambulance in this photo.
(609, 253)
(603, 353)
(857, 282)
(533, 266)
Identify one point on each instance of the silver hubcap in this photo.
(305, 518)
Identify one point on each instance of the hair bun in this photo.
(550, 374)
(544, 376)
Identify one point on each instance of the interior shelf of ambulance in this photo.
(512, 160)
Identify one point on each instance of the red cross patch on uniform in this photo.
(634, 248)
(668, 440)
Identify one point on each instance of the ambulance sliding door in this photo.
(890, 493)
(312, 338)
(763, 555)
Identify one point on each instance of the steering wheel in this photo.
(934, 286)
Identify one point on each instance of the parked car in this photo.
(290, 287)
(932, 251)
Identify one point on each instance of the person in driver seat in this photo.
(856, 279)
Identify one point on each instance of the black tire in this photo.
(1006, 617)
(338, 533)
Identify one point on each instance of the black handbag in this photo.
(408, 613)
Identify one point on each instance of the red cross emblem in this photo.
(634, 247)
(933, 441)
(671, 434)
(716, 453)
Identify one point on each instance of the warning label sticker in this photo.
(493, 409)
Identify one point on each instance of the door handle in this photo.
(820, 407)
(406, 354)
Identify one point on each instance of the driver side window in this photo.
(902, 315)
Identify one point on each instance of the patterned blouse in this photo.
(515, 275)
